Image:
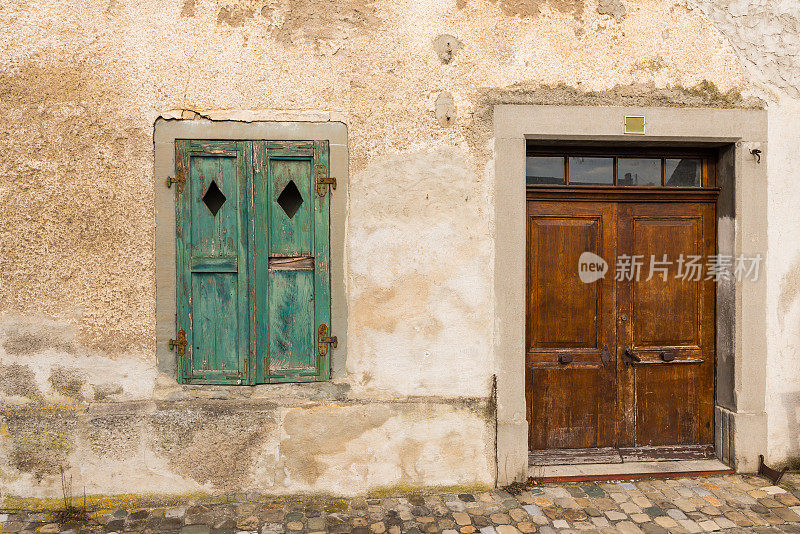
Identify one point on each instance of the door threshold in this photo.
(619, 455)
(628, 470)
(612, 463)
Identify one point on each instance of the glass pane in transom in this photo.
(639, 172)
(591, 171)
(545, 170)
(684, 172)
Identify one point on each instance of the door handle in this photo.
(667, 356)
(564, 359)
(630, 357)
(605, 356)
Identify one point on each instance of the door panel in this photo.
(667, 404)
(667, 322)
(570, 379)
(665, 308)
(214, 316)
(292, 347)
(573, 308)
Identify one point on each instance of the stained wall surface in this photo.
(766, 37)
(81, 86)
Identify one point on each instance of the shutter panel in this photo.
(212, 267)
(291, 261)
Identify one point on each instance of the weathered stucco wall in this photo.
(267, 446)
(783, 296)
(766, 36)
(81, 85)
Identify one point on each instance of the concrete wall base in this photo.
(512, 462)
(740, 438)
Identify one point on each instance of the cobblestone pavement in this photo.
(727, 503)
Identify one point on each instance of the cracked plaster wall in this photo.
(81, 84)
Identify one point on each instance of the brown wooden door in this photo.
(571, 390)
(666, 320)
(579, 397)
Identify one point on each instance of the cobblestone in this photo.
(686, 505)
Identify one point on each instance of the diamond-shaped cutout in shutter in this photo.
(214, 199)
(290, 199)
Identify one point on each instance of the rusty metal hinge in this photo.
(179, 343)
(179, 179)
(323, 340)
(322, 179)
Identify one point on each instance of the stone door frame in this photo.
(740, 416)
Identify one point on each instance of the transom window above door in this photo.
(621, 167)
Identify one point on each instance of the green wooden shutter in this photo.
(292, 261)
(212, 267)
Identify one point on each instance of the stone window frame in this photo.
(166, 131)
(740, 414)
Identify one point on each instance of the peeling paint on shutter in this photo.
(292, 261)
(212, 267)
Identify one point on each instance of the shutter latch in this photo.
(322, 179)
(177, 180)
(179, 343)
(323, 340)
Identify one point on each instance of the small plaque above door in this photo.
(634, 125)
